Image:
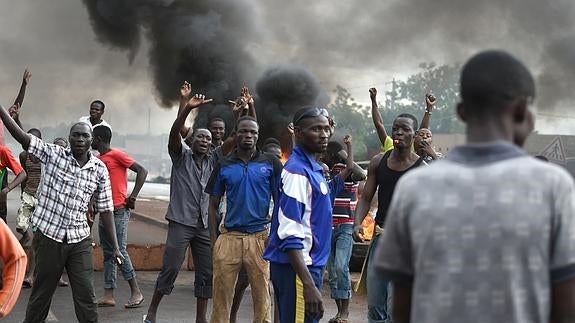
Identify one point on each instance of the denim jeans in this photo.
(378, 290)
(338, 263)
(121, 219)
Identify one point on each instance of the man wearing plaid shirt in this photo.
(61, 232)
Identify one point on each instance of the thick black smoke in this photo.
(281, 91)
(202, 42)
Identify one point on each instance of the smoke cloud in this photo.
(128, 52)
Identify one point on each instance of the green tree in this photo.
(409, 97)
(351, 118)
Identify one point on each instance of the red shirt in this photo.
(118, 163)
(7, 160)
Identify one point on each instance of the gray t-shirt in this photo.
(482, 235)
(188, 202)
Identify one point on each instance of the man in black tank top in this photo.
(385, 169)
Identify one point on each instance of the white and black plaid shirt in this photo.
(65, 191)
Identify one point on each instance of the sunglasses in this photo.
(312, 113)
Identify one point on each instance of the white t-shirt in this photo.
(86, 119)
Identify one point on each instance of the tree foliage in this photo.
(409, 97)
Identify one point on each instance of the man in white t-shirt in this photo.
(95, 117)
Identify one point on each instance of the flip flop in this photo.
(334, 319)
(134, 304)
(105, 304)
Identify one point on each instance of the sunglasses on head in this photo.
(312, 113)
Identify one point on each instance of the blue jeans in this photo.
(121, 219)
(378, 290)
(338, 264)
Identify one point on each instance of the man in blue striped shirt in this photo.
(298, 248)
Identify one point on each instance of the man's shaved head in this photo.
(492, 79)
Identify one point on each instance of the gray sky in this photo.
(357, 44)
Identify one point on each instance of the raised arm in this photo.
(365, 200)
(376, 116)
(141, 174)
(357, 173)
(344, 174)
(249, 99)
(185, 92)
(14, 112)
(14, 129)
(430, 101)
(25, 79)
(175, 141)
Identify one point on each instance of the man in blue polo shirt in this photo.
(249, 179)
(301, 225)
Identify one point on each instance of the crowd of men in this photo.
(471, 237)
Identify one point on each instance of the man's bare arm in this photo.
(175, 141)
(563, 302)
(349, 164)
(364, 202)
(141, 174)
(430, 101)
(185, 92)
(311, 295)
(25, 79)
(213, 224)
(14, 129)
(376, 116)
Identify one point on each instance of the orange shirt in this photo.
(118, 163)
(15, 261)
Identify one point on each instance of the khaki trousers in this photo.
(231, 251)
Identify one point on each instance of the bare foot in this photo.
(106, 302)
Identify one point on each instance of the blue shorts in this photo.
(288, 290)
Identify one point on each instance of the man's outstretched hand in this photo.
(430, 101)
(198, 100)
(373, 93)
(26, 77)
(185, 90)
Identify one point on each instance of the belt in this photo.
(260, 234)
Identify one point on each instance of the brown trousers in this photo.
(231, 251)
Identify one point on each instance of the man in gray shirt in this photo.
(187, 212)
(486, 242)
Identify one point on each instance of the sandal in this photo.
(337, 319)
(135, 304)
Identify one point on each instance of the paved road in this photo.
(178, 307)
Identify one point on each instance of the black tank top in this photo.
(386, 180)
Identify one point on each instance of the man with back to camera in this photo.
(487, 241)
